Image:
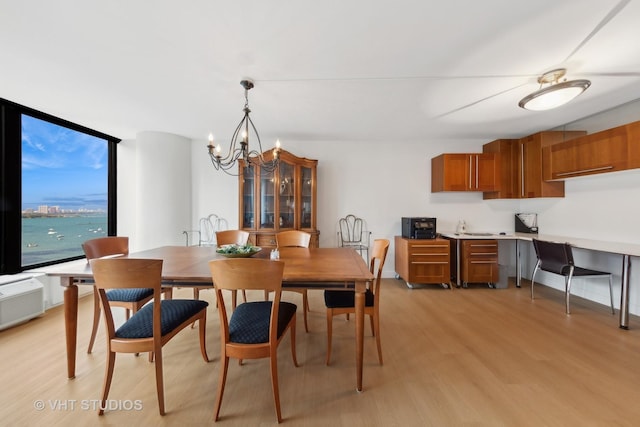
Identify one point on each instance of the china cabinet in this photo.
(284, 199)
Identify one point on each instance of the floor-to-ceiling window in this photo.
(58, 187)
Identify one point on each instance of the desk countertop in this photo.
(621, 248)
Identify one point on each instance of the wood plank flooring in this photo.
(467, 357)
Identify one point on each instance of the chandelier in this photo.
(239, 146)
(554, 95)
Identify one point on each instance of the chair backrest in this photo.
(293, 238)
(247, 274)
(228, 237)
(553, 257)
(351, 229)
(106, 246)
(378, 257)
(209, 226)
(126, 273)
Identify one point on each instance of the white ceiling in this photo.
(323, 69)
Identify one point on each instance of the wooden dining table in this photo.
(188, 266)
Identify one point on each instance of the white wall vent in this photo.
(20, 301)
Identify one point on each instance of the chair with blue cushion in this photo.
(557, 258)
(151, 327)
(343, 302)
(129, 299)
(254, 329)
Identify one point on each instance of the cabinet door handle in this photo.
(483, 262)
(487, 245)
(429, 246)
(470, 171)
(483, 254)
(521, 170)
(603, 168)
(477, 170)
(430, 254)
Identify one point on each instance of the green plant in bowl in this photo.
(238, 251)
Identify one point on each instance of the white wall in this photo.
(382, 182)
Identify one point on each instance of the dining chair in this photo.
(298, 239)
(255, 328)
(229, 237)
(557, 258)
(352, 233)
(343, 302)
(151, 327)
(129, 299)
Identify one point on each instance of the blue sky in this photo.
(62, 167)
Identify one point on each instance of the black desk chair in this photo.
(557, 258)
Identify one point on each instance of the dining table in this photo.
(188, 266)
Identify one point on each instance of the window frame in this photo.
(11, 182)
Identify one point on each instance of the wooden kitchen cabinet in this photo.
(423, 260)
(479, 261)
(285, 199)
(522, 165)
(610, 150)
(465, 172)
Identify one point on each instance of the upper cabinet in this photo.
(285, 199)
(607, 151)
(522, 165)
(465, 172)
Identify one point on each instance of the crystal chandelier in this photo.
(239, 146)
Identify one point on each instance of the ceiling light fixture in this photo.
(554, 95)
(239, 146)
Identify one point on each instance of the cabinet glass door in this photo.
(287, 195)
(248, 196)
(267, 199)
(307, 197)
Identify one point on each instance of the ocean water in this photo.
(48, 239)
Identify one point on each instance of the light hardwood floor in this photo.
(477, 356)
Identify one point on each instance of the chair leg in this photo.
(613, 311)
(374, 331)
(329, 333)
(159, 380)
(274, 383)
(202, 326)
(223, 379)
(567, 293)
(96, 319)
(533, 276)
(376, 321)
(293, 343)
(305, 309)
(108, 375)
(168, 292)
(196, 293)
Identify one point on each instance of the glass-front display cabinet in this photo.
(284, 199)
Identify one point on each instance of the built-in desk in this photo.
(626, 250)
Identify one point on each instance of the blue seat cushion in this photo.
(173, 313)
(249, 323)
(345, 299)
(129, 295)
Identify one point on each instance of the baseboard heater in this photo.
(21, 299)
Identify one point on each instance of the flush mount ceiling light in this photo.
(554, 95)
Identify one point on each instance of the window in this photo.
(58, 188)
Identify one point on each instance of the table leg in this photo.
(359, 302)
(458, 261)
(624, 294)
(71, 323)
(518, 264)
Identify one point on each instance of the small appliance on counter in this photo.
(526, 223)
(418, 228)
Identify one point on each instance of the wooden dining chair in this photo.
(255, 328)
(151, 327)
(298, 239)
(557, 258)
(229, 237)
(129, 299)
(343, 302)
